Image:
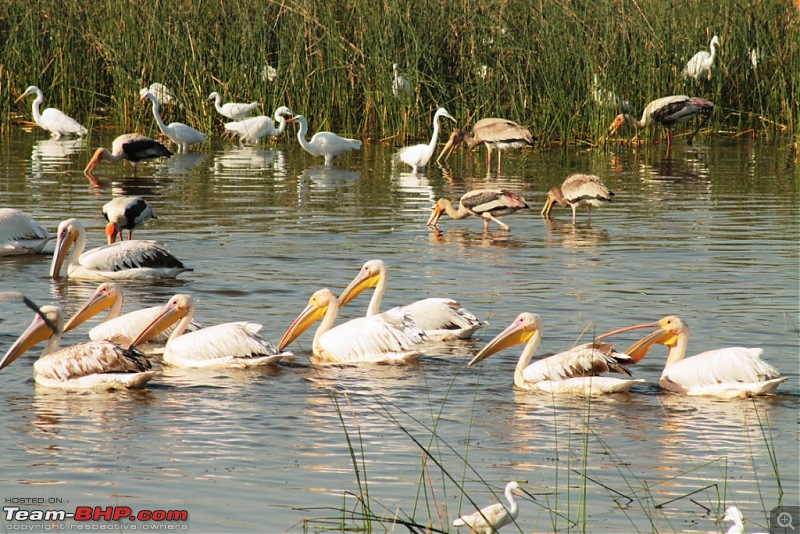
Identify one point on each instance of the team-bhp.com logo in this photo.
(160, 518)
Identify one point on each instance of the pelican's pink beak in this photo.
(171, 314)
(514, 334)
(311, 314)
(66, 238)
(638, 350)
(101, 300)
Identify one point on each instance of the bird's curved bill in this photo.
(168, 316)
(448, 148)
(97, 303)
(63, 245)
(37, 332)
(548, 206)
(309, 316)
(514, 334)
(360, 283)
(435, 216)
(638, 350)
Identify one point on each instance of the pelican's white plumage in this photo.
(440, 318)
(578, 190)
(124, 260)
(232, 110)
(179, 133)
(89, 365)
(699, 67)
(126, 213)
(53, 120)
(489, 520)
(253, 129)
(576, 371)
(389, 337)
(727, 373)
(20, 233)
(232, 345)
(418, 156)
(133, 147)
(325, 144)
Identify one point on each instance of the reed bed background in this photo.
(530, 61)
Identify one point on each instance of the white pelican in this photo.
(727, 373)
(326, 144)
(181, 134)
(232, 110)
(578, 190)
(253, 129)
(576, 371)
(699, 67)
(125, 260)
(127, 213)
(501, 134)
(53, 120)
(116, 327)
(88, 365)
(417, 156)
(232, 345)
(389, 337)
(488, 204)
(440, 318)
(133, 147)
(667, 111)
(20, 233)
(489, 520)
(401, 88)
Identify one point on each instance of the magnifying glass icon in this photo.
(785, 520)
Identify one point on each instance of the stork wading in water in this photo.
(418, 156)
(326, 144)
(231, 345)
(232, 110)
(124, 260)
(179, 133)
(667, 111)
(727, 373)
(126, 213)
(53, 120)
(389, 337)
(21, 234)
(488, 204)
(491, 519)
(88, 365)
(133, 147)
(253, 129)
(500, 134)
(578, 371)
(699, 67)
(578, 190)
(440, 318)
(116, 326)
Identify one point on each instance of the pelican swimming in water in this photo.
(21, 234)
(88, 365)
(488, 204)
(232, 345)
(440, 318)
(489, 520)
(389, 337)
(124, 260)
(576, 371)
(578, 190)
(116, 327)
(727, 373)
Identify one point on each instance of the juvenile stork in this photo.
(578, 190)
(488, 204)
(500, 134)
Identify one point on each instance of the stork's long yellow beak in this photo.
(37, 332)
(308, 317)
(435, 216)
(548, 206)
(514, 334)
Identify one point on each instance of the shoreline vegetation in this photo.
(541, 63)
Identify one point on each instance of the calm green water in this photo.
(709, 233)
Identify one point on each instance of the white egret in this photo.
(179, 133)
(401, 87)
(418, 156)
(325, 144)
(253, 129)
(491, 519)
(232, 110)
(53, 120)
(699, 67)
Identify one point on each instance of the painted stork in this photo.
(699, 67)
(325, 144)
(181, 134)
(488, 204)
(401, 88)
(126, 213)
(418, 156)
(667, 111)
(232, 345)
(252, 129)
(727, 373)
(579, 370)
(133, 147)
(125, 260)
(578, 190)
(389, 337)
(489, 520)
(21, 234)
(500, 134)
(441, 319)
(88, 365)
(232, 110)
(53, 120)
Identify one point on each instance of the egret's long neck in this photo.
(435, 136)
(157, 115)
(327, 323)
(35, 107)
(525, 358)
(454, 213)
(678, 351)
(217, 102)
(713, 50)
(377, 295)
(512, 503)
(301, 134)
(282, 122)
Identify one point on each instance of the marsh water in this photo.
(709, 233)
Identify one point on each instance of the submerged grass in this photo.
(533, 62)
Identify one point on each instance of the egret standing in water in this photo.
(490, 519)
(699, 67)
(418, 156)
(232, 110)
(326, 144)
(179, 133)
(53, 120)
(253, 129)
